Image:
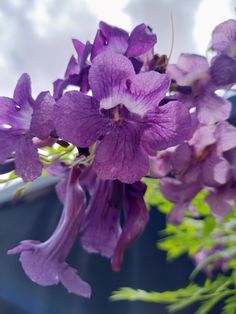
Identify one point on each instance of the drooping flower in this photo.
(123, 117)
(101, 231)
(21, 119)
(101, 228)
(44, 262)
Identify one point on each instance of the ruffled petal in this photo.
(77, 119)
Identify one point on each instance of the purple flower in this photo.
(77, 70)
(207, 161)
(123, 118)
(21, 119)
(193, 70)
(101, 231)
(44, 263)
(114, 39)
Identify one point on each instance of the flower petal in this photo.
(201, 139)
(212, 108)
(14, 117)
(108, 74)
(101, 229)
(223, 71)
(169, 125)
(136, 214)
(145, 91)
(42, 119)
(22, 93)
(141, 40)
(120, 156)
(27, 163)
(224, 35)
(225, 134)
(109, 38)
(216, 170)
(77, 119)
(8, 144)
(44, 262)
(221, 201)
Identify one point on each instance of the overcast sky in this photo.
(35, 34)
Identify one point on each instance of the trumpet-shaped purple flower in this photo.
(123, 118)
(101, 231)
(21, 119)
(44, 263)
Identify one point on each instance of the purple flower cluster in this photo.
(130, 118)
(207, 159)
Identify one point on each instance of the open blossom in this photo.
(44, 262)
(123, 117)
(21, 119)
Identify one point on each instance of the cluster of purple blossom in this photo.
(134, 115)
